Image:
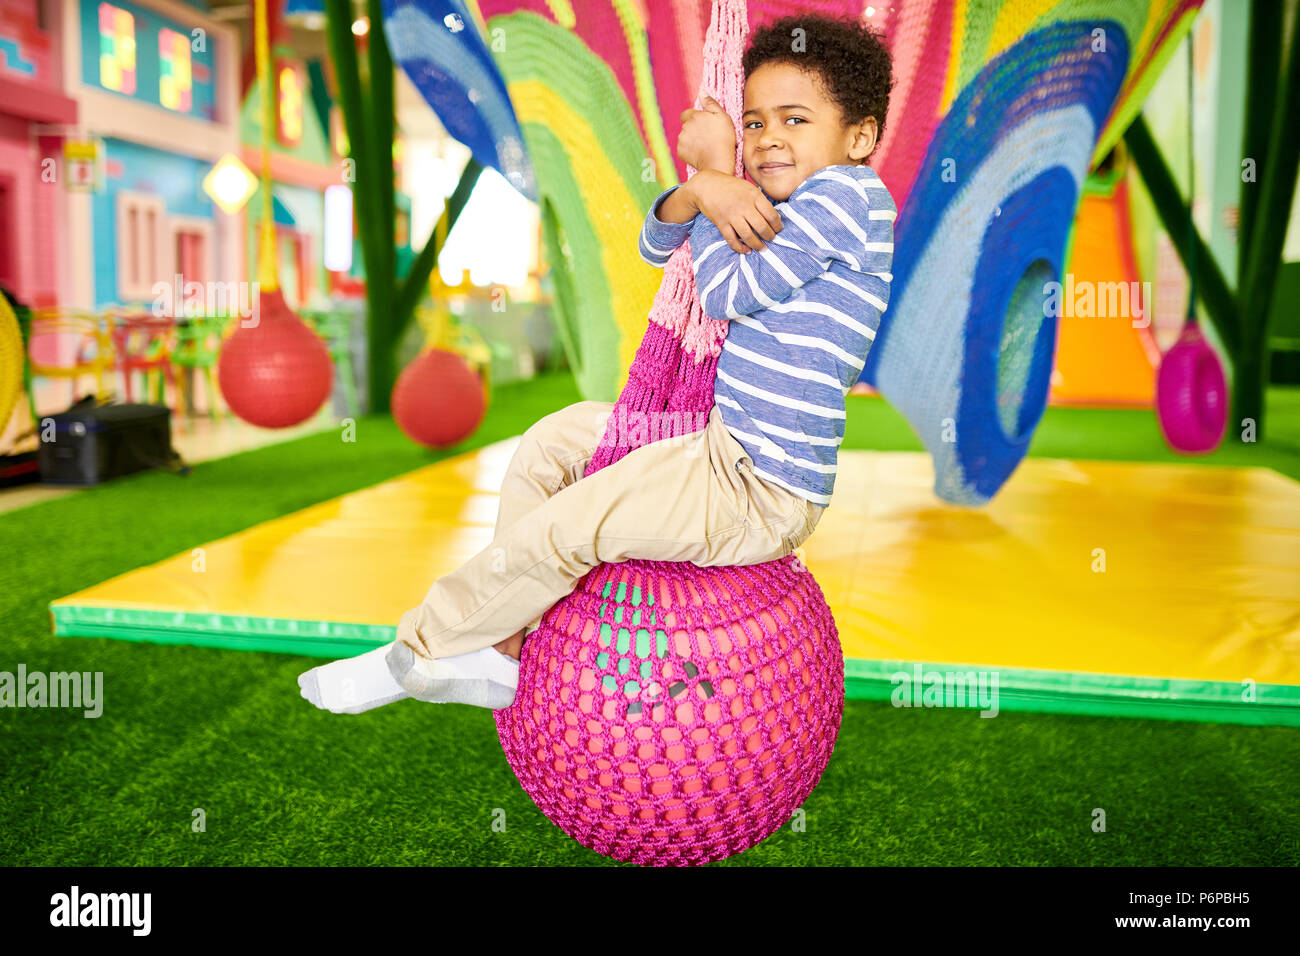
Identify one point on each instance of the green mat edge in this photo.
(1019, 689)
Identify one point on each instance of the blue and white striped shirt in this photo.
(803, 313)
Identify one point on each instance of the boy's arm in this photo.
(829, 217)
(660, 238)
(668, 224)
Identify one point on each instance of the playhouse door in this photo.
(191, 256)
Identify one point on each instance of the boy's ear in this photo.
(864, 139)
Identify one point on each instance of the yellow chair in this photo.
(11, 361)
(71, 343)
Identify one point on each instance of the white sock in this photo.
(482, 678)
(352, 685)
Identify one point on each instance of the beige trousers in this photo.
(689, 498)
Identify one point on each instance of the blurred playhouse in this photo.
(130, 137)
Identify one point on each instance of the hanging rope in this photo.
(677, 362)
(1191, 186)
(268, 276)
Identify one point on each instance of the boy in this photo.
(803, 283)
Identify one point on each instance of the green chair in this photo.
(335, 327)
(198, 347)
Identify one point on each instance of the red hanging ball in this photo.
(438, 399)
(276, 372)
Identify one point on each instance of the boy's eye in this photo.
(754, 124)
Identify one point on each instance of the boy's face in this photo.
(791, 129)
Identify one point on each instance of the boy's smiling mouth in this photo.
(770, 167)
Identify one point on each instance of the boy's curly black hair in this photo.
(852, 61)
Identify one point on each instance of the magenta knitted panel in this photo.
(676, 363)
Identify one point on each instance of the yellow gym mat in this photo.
(1084, 587)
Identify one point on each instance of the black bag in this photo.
(94, 443)
(19, 469)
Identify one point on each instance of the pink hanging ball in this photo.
(438, 400)
(673, 715)
(276, 372)
(1192, 395)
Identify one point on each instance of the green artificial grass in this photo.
(281, 783)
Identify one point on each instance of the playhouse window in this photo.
(116, 49)
(175, 81)
(141, 257)
(191, 249)
(290, 90)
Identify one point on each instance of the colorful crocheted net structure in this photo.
(1000, 108)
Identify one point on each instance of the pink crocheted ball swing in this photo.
(670, 714)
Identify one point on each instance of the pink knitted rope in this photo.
(677, 360)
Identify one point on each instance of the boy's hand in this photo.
(743, 215)
(708, 138)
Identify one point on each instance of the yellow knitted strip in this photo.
(1158, 11)
(562, 10)
(1122, 116)
(960, 11)
(615, 214)
(634, 33)
(1013, 21)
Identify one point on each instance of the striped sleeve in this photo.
(659, 239)
(831, 216)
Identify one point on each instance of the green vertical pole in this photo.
(1267, 235)
(367, 195)
(1263, 56)
(381, 285)
(412, 288)
(1220, 304)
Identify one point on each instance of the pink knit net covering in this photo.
(670, 714)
